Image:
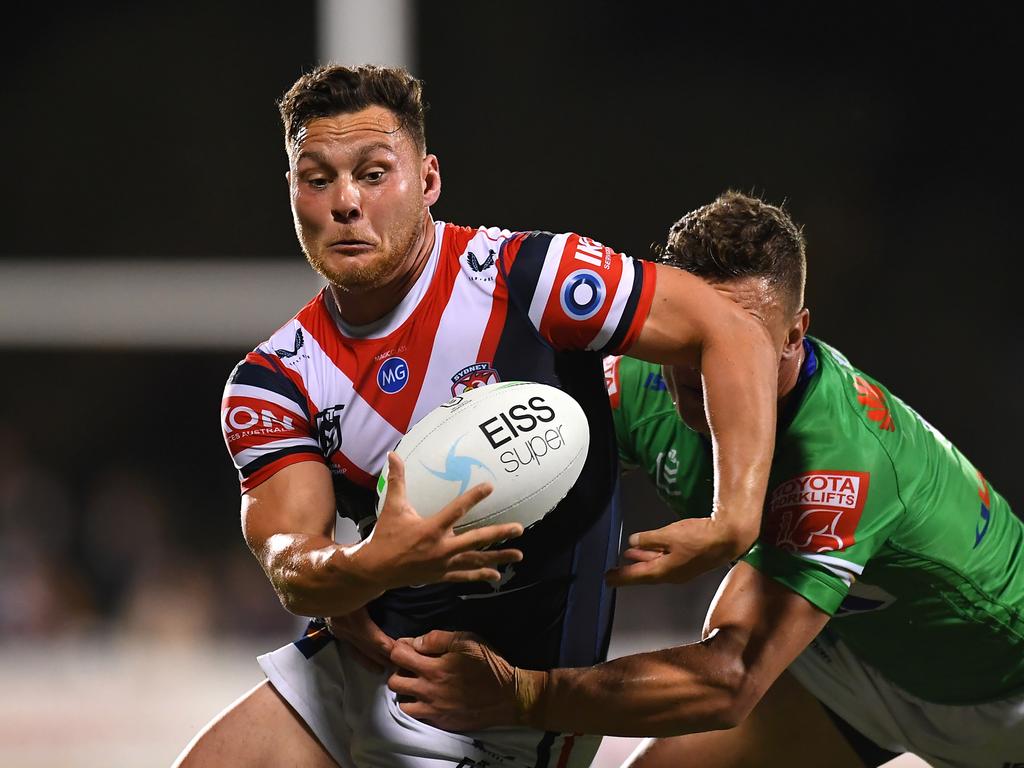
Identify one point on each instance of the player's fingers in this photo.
(419, 710)
(636, 573)
(657, 539)
(642, 555)
(438, 641)
(480, 538)
(461, 504)
(396, 478)
(359, 630)
(404, 685)
(405, 656)
(473, 574)
(478, 559)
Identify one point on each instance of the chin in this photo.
(353, 277)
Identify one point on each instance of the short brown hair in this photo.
(741, 236)
(333, 89)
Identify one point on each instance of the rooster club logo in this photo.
(393, 375)
(473, 376)
(582, 294)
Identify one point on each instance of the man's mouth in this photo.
(350, 245)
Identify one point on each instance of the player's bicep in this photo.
(685, 312)
(769, 622)
(299, 499)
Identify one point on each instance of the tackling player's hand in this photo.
(405, 549)
(678, 552)
(371, 645)
(452, 680)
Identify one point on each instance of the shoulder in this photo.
(473, 250)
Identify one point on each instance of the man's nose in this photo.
(346, 205)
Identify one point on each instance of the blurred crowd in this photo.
(110, 557)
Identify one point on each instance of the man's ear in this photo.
(430, 173)
(796, 333)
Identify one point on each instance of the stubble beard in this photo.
(376, 273)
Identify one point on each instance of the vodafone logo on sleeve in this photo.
(817, 512)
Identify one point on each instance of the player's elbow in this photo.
(733, 690)
(727, 703)
(733, 708)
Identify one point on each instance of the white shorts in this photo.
(989, 735)
(356, 717)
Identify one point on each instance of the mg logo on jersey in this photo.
(473, 376)
(817, 512)
(393, 375)
(582, 294)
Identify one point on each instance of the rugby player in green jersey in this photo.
(881, 611)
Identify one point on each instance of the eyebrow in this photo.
(321, 159)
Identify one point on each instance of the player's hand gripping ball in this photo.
(528, 440)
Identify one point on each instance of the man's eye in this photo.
(374, 176)
(317, 183)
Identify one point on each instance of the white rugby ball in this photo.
(528, 440)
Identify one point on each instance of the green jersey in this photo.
(871, 515)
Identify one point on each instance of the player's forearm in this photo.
(740, 370)
(666, 693)
(314, 576)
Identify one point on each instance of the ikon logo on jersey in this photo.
(473, 376)
(393, 375)
(817, 512)
(243, 420)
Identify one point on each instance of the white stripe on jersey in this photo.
(248, 455)
(378, 329)
(247, 390)
(367, 436)
(471, 298)
(844, 569)
(545, 282)
(614, 316)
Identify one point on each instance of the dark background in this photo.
(145, 132)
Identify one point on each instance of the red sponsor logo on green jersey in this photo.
(872, 398)
(816, 512)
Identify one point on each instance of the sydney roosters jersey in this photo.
(490, 305)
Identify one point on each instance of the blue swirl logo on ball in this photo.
(393, 375)
(582, 294)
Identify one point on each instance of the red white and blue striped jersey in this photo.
(490, 305)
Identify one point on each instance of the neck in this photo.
(374, 303)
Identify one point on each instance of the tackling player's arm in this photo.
(690, 323)
(754, 630)
(288, 522)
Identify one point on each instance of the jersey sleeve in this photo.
(578, 293)
(821, 528)
(265, 420)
